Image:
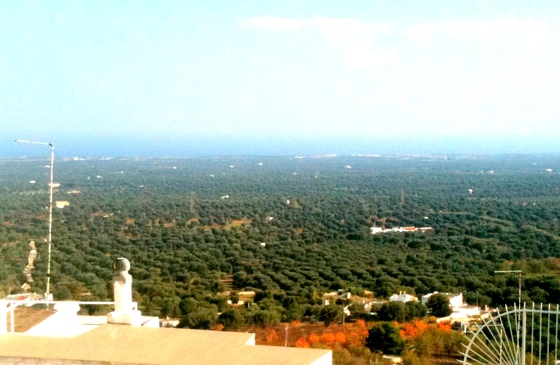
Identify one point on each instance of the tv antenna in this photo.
(51, 186)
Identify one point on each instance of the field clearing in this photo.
(236, 223)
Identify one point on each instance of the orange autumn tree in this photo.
(328, 338)
(295, 324)
(431, 338)
(302, 343)
(314, 338)
(271, 337)
(340, 338)
(356, 334)
(413, 329)
(218, 327)
(444, 326)
(336, 337)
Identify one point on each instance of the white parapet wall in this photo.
(3, 317)
(323, 360)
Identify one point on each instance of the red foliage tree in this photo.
(302, 343)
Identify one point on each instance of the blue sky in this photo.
(279, 77)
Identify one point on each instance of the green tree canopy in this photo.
(392, 311)
(438, 305)
(331, 313)
(204, 317)
(231, 319)
(385, 337)
(414, 310)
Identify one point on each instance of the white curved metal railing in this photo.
(518, 336)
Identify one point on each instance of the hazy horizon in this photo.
(198, 147)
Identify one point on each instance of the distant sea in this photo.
(280, 146)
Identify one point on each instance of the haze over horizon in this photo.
(173, 78)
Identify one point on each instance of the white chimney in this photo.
(125, 310)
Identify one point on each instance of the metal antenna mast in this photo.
(51, 183)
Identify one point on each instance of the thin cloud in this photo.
(360, 56)
(489, 29)
(333, 29)
(339, 29)
(273, 24)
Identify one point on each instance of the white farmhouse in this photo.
(403, 297)
(455, 300)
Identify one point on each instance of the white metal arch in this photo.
(518, 336)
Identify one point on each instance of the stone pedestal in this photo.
(132, 318)
(125, 310)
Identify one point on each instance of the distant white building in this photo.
(61, 204)
(245, 297)
(329, 298)
(455, 300)
(403, 297)
(377, 230)
(465, 312)
(461, 312)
